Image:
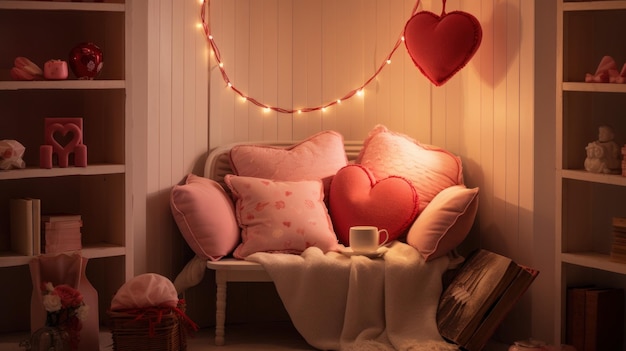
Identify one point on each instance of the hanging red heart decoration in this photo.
(441, 45)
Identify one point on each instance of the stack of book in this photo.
(61, 233)
(595, 318)
(618, 247)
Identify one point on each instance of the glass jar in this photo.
(49, 339)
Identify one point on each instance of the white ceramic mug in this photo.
(366, 238)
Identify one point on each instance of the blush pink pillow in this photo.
(318, 157)
(357, 198)
(281, 216)
(205, 215)
(445, 222)
(429, 168)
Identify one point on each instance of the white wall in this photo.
(294, 53)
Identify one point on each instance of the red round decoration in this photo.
(86, 60)
(441, 45)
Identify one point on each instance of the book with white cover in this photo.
(21, 211)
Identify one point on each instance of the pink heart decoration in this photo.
(441, 45)
(60, 136)
(356, 198)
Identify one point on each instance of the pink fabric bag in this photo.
(70, 270)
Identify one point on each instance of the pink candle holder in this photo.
(63, 137)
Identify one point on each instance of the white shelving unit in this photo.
(40, 31)
(587, 202)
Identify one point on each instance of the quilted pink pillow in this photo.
(357, 198)
(280, 216)
(430, 168)
(318, 157)
(205, 215)
(445, 223)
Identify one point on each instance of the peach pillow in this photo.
(318, 157)
(445, 222)
(280, 216)
(205, 215)
(430, 168)
(357, 198)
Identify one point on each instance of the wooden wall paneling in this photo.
(381, 111)
(284, 65)
(239, 54)
(330, 63)
(270, 67)
(307, 66)
(353, 20)
(512, 125)
(196, 66)
(492, 234)
(222, 101)
(259, 70)
(371, 26)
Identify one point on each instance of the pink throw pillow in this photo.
(280, 216)
(357, 198)
(430, 168)
(318, 157)
(445, 222)
(205, 215)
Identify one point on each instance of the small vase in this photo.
(85, 60)
(50, 339)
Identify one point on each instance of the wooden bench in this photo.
(217, 166)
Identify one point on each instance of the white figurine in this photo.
(595, 161)
(603, 155)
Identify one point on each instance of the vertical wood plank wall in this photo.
(305, 53)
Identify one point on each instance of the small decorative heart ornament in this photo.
(441, 45)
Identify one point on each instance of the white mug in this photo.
(366, 238)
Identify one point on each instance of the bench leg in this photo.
(220, 307)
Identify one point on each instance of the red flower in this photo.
(70, 297)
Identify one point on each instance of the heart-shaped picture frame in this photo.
(440, 46)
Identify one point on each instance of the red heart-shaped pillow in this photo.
(441, 45)
(356, 198)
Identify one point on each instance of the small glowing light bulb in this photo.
(222, 64)
(210, 37)
(299, 112)
(402, 38)
(244, 99)
(338, 101)
(230, 85)
(388, 61)
(324, 109)
(267, 109)
(360, 92)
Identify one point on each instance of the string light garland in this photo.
(359, 91)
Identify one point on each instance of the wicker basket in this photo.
(143, 331)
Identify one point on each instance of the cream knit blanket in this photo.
(357, 303)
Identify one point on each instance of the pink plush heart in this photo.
(356, 198)
(441, 45)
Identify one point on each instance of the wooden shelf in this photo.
(62, 84)
(72, 6)
(594, 5)
(61, 172)
(11, 259)
(594, 260)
